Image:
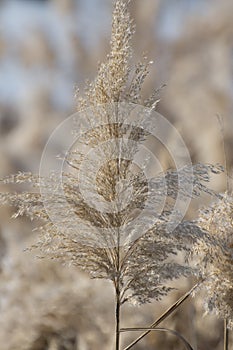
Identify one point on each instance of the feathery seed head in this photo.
(215, 260)
(107, 205)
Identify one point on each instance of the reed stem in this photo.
(226, 335)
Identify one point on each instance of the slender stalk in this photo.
(177, 334)
(118, 296)
(167, 313)
(117, 285)
(226, 335)
(118, 293)
(117, 320)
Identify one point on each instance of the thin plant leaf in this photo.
(166, 314)
(186, 343)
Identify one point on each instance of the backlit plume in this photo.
(111, 218)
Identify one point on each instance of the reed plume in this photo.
(215, 261)
(108, 222)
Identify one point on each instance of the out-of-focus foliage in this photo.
(215, 262)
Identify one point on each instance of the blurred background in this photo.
(47, 49)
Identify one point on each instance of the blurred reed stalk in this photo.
(226, 335)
